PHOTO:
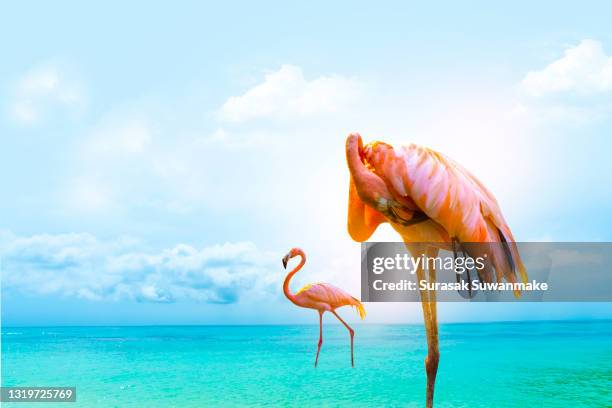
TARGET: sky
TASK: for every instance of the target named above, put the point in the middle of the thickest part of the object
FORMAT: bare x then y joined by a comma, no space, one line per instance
157,161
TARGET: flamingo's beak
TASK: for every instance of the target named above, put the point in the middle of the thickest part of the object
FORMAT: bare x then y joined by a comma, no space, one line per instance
285,260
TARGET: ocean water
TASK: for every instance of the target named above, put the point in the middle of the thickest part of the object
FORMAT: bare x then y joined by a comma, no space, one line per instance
546,364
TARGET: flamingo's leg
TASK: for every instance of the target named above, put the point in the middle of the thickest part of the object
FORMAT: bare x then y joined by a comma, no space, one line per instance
428,302
351,332
320,336
433,304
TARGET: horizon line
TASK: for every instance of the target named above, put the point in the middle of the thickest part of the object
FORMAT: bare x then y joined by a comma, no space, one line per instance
601,320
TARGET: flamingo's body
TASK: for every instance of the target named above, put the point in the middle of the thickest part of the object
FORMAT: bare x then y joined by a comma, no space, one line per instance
321,297
428,198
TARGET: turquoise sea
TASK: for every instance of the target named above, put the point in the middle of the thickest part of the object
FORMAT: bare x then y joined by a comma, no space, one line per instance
527,364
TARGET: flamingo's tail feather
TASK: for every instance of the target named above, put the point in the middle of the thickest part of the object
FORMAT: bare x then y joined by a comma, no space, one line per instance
512,254
359,307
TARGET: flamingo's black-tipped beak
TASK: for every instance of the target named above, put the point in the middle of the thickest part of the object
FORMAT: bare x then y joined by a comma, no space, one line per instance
285,260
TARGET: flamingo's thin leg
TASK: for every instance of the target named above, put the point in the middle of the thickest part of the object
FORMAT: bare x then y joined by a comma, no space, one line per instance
433,304
428,302
351,332
320,336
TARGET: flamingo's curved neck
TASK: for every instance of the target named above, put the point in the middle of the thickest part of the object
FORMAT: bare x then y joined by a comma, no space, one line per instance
288,293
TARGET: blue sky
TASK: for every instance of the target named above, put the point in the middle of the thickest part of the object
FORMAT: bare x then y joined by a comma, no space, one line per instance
158,161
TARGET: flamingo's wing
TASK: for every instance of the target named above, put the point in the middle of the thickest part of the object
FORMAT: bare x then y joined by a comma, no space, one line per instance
451,196
324,293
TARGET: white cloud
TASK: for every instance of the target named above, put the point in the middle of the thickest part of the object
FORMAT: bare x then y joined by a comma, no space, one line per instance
83,266
43,89
286,94
584,69
140,156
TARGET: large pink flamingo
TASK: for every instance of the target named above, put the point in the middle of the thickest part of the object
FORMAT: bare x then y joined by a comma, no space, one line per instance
322,297
428,198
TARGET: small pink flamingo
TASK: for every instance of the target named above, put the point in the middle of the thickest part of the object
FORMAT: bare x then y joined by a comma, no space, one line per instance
322,297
